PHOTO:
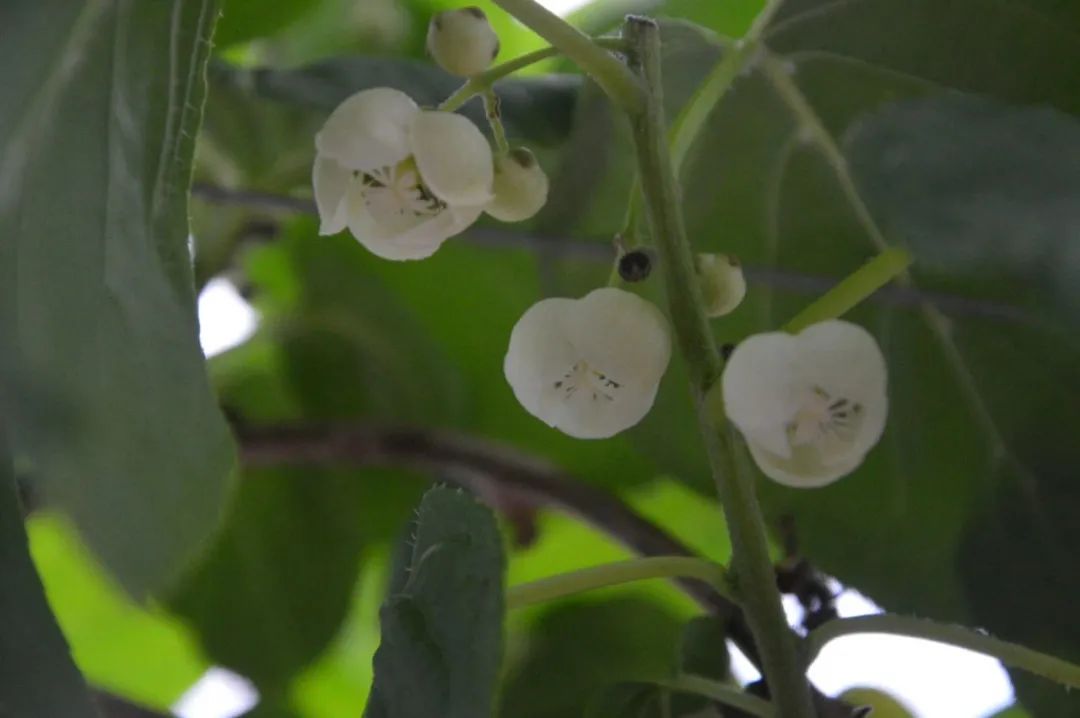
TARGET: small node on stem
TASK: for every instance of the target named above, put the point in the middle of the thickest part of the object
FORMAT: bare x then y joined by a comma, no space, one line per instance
462,41
635,266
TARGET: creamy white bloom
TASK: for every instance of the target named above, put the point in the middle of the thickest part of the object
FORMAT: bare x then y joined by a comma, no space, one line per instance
723,285
589,367
402,179
462,41
520,187
810,405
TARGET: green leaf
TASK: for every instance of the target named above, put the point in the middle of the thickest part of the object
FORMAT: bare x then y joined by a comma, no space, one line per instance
37,675
111,635
243,20
583,647
100,105
977,415
442,630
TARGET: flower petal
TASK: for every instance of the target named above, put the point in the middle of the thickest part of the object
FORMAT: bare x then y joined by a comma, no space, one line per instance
762,390
419,241
804,468
330,181
369,130
453,156
539,355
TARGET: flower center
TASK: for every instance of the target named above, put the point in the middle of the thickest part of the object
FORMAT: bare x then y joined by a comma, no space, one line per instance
396,196
592,384
824,420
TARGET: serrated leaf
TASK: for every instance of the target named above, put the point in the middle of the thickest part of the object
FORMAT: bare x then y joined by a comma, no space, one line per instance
37,675
441,644
100,105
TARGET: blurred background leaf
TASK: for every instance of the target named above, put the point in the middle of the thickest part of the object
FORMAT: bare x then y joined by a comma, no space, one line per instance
111,408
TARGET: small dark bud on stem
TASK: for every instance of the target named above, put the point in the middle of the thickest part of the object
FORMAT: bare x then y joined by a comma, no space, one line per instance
635,266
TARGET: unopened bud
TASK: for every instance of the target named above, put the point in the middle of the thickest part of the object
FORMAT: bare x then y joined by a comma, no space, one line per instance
462,41
520,186
723,285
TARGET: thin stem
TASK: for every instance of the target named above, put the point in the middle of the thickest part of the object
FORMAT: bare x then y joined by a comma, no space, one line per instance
1011,654
486,79
717,691
494,118
780,78
614,574
853,289
612,75
754,579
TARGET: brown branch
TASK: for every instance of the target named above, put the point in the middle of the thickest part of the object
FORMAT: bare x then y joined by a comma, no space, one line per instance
489,470
492,471
601,251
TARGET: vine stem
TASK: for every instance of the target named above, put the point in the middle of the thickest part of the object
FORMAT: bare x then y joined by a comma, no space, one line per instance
485,80
1011,654
614,78
614,574
754,578
853,289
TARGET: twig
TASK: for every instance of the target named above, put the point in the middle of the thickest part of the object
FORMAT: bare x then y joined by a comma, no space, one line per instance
599,250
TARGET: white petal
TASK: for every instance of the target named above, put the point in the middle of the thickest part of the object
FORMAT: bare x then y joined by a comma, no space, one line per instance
845,360
369,130
419,241
520,188
330,181
770,378
453,156
804,469
609,335
539,354
761,388
624,335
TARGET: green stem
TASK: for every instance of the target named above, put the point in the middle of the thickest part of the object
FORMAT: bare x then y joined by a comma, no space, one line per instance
851,290
485,80
612,75
494,118
754,578
701,686
780,78
1011,654
614,574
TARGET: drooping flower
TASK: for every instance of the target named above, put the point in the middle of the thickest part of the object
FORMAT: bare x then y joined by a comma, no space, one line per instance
402,179
589,367
520,186
723,285
810,405
462,41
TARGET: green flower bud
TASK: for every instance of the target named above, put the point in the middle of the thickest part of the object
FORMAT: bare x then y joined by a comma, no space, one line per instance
722,283
520,186
462,42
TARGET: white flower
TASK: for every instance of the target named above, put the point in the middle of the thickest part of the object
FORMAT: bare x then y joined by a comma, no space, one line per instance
462,41
520,187
810,405
403,180
589,367
723,285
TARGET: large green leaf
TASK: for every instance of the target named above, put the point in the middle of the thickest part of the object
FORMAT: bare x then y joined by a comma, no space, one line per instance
99,107
961,440
442,630
37,675
985,195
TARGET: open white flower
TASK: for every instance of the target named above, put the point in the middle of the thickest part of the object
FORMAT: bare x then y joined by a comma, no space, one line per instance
402,179
810,405
589,367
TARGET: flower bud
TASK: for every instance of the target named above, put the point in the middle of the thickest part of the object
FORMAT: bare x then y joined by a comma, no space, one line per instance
722,283
461,41
520,186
